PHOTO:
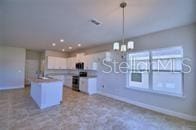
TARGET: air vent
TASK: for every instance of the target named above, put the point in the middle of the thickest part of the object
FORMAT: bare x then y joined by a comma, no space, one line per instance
94,21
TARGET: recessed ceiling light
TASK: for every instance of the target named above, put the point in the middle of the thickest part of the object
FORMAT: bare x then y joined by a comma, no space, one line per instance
63,50
79,45
61,40
70,47
53,44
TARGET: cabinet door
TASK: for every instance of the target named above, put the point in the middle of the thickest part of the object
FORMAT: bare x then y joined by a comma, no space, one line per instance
80,57
57,63
51,62
65,63
89,60
62,63
83,85
85,60
68,81
68,63
92,86
65,81
73,62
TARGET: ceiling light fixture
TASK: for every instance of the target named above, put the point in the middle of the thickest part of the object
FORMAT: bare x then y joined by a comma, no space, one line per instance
53,44
70,48
61,40
123,47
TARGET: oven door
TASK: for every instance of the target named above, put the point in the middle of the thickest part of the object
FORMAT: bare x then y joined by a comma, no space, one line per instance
75,83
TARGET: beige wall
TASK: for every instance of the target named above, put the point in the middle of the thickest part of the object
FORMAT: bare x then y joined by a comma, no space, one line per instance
115,84
33,65
12,67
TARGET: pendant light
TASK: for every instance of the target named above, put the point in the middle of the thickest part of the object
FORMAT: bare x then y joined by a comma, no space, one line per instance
123,47
130,45
116,46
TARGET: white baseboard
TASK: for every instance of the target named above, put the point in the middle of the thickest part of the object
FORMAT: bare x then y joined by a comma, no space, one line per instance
11,87
151,107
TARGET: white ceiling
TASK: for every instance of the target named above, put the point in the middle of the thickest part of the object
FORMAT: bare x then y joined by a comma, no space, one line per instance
35,24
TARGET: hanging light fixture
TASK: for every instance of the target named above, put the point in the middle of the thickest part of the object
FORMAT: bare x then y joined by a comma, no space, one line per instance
123,47
130,45
116,46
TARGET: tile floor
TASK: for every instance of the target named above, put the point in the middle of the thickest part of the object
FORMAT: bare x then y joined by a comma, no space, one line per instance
81,112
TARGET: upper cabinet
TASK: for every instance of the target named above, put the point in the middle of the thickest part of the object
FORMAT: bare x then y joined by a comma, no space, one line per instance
71,62
80,57
51,62
90,61
61,63
57,63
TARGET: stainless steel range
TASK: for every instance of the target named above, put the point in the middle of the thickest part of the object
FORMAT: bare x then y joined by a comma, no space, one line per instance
76,80
75,83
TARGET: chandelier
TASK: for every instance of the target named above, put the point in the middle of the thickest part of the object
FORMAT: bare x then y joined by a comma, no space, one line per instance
123,47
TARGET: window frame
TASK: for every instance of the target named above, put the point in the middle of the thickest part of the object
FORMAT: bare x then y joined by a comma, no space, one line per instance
138,71
150,73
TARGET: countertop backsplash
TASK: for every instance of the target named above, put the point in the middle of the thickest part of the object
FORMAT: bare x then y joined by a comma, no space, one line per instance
90,73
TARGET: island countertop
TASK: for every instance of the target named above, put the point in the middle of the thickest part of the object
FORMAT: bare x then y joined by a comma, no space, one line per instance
44,80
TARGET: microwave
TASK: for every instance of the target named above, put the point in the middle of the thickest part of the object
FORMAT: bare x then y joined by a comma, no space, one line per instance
79,65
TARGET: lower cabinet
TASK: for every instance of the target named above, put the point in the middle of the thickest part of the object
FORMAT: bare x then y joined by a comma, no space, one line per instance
88,85
68,81
47,94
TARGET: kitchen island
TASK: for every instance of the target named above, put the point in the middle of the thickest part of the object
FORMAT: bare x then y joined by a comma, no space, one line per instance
46,92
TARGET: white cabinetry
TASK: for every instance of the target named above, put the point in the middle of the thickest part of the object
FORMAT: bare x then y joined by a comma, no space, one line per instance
90,61
47,94
58,77
61,63
56,63
51,62
68,81
71,62
88,85
80,57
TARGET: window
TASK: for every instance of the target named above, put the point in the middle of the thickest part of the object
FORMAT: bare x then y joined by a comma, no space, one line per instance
136,77
157,70
139,70
167,70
